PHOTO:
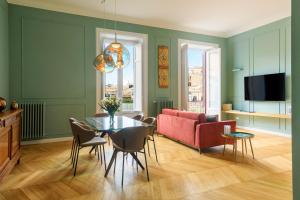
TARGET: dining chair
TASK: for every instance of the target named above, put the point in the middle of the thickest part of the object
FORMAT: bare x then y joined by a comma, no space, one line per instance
129,141
151,121
102,114
71,120
85,137
138,117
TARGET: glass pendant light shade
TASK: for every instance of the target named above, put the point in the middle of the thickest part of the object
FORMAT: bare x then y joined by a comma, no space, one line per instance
118,53
101,65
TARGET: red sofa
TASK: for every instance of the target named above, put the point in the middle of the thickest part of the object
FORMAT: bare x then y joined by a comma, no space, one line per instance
192,128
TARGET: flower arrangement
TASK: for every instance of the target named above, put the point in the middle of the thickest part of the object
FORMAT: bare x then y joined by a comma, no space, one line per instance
111,105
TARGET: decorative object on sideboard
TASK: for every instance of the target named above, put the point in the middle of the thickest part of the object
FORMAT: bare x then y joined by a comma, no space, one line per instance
163,66
2,104
227,106
14,105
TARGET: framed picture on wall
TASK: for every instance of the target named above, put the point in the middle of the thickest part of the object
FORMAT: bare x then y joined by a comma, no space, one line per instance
163,66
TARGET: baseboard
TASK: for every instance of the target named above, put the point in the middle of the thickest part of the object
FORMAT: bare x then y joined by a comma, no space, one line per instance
265,131
48,140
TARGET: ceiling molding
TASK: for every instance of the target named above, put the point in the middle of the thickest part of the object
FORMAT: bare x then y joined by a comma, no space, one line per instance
47,5
88,13
255,25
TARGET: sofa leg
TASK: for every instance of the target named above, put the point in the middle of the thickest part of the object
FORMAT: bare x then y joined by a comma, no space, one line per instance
200,151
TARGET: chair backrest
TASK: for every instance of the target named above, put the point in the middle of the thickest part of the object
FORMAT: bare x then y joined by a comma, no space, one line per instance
151,121
138,117
71,120
130,139
101,114
82,133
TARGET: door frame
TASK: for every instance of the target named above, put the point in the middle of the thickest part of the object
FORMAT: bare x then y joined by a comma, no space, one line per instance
181,42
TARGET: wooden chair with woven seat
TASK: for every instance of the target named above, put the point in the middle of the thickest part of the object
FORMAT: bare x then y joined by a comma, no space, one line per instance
150,137
129,141
86,137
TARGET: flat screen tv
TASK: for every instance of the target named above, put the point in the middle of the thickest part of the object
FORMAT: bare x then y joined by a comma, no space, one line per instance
270,87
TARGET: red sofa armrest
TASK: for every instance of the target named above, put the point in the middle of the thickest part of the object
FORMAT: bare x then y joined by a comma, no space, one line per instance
210,134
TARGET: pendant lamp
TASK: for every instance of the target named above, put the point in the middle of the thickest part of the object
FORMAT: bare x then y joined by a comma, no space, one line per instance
117,51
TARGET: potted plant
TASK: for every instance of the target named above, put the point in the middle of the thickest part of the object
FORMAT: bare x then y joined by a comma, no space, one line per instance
111,105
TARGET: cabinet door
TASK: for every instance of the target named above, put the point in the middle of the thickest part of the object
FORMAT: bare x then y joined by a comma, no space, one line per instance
15,145
4,147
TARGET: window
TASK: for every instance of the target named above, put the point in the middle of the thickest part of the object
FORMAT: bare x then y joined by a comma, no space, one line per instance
125,83
199,77
196,84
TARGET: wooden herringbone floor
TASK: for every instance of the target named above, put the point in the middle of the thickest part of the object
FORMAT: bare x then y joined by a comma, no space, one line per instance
182,173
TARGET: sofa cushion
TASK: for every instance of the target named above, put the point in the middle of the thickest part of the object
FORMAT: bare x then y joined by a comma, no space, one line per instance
200,117
168,111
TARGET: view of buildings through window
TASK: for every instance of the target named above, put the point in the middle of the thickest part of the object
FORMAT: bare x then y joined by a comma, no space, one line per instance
196,84
121,83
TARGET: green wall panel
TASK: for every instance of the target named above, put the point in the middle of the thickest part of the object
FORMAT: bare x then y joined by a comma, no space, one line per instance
52,54
260,51
55,72
296,96
4,51
56,115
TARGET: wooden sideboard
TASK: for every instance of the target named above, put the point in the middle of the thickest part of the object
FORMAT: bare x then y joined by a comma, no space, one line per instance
10,137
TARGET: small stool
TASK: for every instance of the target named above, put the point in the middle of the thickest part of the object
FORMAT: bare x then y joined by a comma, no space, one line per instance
235,136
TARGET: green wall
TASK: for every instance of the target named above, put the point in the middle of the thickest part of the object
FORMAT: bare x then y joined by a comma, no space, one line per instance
296,96
4,60
263,50
51,61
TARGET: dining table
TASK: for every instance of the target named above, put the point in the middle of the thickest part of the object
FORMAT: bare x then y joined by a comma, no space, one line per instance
108,125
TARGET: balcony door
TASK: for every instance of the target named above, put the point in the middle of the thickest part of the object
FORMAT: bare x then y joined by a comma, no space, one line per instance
199,77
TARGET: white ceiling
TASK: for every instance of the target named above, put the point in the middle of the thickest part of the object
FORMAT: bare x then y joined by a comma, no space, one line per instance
213,17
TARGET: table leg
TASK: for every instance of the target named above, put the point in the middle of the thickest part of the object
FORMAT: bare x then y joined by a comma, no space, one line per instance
251,147
224,147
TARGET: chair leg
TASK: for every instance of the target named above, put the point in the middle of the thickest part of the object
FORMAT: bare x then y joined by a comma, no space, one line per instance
72,150
75,154
155,149
147,141
111,162
76,161
115,165
97,150
92,149
137,166
146,164
100,153
104,157
123,168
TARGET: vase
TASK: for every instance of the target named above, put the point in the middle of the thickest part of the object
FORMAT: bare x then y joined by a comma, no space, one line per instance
111,117
2,104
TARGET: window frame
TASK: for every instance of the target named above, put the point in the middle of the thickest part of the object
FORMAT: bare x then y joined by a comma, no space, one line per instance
101,35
